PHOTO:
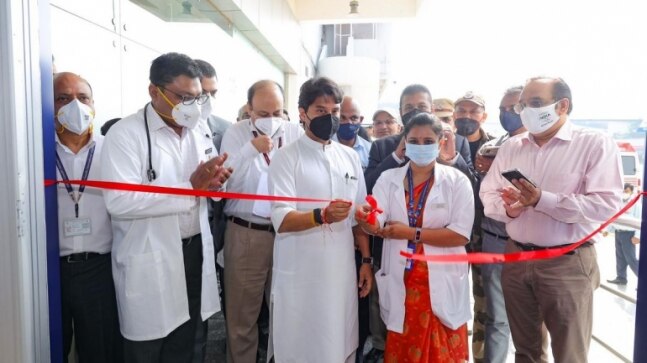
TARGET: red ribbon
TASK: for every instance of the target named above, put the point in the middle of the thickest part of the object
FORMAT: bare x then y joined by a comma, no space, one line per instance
180,191
482,257
474,257
371,218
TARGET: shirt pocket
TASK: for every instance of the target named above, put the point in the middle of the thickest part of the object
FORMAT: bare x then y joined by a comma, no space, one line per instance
565,183
144,274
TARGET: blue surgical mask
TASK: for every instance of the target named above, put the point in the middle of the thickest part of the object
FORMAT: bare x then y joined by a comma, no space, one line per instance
348,131
422,155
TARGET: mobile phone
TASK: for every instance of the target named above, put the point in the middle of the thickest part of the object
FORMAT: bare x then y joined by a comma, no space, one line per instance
515,173
489,150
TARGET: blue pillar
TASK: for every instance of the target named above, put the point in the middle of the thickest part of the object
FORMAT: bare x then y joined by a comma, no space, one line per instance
51,209
640,349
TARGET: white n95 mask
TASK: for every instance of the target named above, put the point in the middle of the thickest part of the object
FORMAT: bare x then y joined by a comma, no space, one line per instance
187,115
206,109
268,125
540,119
75,116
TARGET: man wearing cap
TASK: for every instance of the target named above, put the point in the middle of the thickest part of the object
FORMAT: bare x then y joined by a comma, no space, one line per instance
350,124
444,110
469,115
386,122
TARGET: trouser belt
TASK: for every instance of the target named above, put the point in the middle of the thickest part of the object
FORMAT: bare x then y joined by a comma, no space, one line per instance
499,236
252,225
79,257
531,247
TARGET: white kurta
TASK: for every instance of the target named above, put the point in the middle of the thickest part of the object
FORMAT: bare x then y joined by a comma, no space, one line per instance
147,262
314,284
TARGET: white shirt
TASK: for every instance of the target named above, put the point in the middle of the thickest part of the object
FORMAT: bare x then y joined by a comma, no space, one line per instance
91,204
580,177
249,165
450,205
184,149
314,281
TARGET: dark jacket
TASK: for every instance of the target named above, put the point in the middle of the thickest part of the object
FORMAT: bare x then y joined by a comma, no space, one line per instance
380,159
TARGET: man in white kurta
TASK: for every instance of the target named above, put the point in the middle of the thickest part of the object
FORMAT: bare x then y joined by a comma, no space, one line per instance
314,286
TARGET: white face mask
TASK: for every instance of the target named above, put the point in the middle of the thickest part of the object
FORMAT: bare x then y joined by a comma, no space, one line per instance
268,125
206,109
540,119
187,115
75,116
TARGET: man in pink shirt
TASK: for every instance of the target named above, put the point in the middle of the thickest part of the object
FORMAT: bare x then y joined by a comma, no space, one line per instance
578,186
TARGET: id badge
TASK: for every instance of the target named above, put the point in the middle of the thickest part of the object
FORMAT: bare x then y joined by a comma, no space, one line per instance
77,227
409,264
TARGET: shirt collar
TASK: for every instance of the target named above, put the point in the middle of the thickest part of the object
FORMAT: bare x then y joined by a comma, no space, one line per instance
360,142
439,174
67,149
564,133
155,121
310,143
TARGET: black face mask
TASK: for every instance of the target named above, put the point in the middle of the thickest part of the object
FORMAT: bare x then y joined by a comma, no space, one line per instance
324,126
409,115
466,126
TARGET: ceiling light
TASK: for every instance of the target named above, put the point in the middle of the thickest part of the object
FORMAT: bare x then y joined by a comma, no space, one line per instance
354,4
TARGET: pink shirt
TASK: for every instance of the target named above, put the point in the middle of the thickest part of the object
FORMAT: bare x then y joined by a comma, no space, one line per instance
579,174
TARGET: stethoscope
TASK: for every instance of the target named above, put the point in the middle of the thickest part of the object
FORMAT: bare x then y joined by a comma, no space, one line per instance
152,175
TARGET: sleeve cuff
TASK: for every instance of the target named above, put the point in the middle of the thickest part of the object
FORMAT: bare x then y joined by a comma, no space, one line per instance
451,161
397,159
547,202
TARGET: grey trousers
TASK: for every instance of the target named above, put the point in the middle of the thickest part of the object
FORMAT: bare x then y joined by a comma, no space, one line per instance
248,275
557,292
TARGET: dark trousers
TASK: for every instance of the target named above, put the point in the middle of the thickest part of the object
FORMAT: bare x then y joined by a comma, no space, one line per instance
89,308
625,254
363,311
178,346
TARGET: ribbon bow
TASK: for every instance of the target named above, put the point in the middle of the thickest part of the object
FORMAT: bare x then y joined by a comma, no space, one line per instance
371,218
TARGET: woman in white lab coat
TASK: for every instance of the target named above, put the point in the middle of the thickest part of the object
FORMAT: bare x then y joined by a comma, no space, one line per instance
425,305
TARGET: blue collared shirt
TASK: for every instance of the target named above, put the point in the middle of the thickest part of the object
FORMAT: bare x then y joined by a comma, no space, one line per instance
362,147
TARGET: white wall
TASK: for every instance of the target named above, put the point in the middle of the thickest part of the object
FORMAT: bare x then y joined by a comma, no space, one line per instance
115,58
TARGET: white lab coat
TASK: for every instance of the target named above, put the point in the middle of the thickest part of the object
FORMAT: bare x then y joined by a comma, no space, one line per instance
314,286
147,259
450,204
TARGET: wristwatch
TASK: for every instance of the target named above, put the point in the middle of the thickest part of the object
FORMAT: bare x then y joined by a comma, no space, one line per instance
368,260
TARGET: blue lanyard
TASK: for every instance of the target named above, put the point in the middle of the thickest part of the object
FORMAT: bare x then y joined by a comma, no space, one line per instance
414,211
86,172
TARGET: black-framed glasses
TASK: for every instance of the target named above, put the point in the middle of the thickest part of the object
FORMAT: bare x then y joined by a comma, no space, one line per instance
210,93
533,103
188,100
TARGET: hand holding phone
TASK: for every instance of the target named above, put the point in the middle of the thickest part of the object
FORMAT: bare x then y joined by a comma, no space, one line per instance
515,173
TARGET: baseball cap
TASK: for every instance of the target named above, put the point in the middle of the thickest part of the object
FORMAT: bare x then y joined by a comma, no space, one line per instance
391,112
443,107
470,96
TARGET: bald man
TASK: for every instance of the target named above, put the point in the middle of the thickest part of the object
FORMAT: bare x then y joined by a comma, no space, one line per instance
89,305
350,124
249,237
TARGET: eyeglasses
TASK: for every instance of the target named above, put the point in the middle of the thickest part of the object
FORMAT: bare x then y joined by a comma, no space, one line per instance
388,122
210,93
188,100
534,103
